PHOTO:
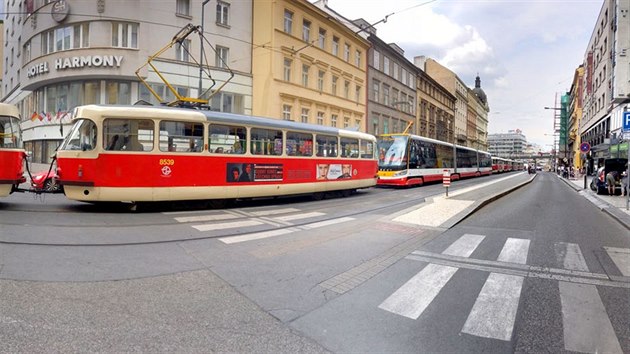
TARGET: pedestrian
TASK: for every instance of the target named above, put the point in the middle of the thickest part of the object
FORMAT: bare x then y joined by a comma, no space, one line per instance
611,177
624,183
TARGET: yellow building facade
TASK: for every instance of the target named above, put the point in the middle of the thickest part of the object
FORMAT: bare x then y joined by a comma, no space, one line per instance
307,66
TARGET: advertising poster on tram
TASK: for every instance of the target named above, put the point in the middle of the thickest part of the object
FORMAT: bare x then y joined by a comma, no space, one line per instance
249,172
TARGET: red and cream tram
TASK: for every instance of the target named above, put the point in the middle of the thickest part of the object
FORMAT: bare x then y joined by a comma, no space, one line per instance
11,152
146,153
406,160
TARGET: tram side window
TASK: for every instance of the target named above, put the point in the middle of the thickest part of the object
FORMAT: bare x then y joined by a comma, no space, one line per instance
227,139
299,144
326,146
367,149
10,133
266,141
82,136
444,156
427,157
128,134
181,136
349,147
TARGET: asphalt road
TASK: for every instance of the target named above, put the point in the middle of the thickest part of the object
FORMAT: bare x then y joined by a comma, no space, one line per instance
301,276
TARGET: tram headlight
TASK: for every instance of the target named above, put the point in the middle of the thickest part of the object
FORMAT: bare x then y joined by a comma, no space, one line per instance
400,173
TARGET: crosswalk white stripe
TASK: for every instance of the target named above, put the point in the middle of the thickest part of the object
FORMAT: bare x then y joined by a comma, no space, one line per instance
227,225
299,216
570,256
326,223
494,311
514,251
464,246
586,325
200,218
411,299
256,236
274,211
621,258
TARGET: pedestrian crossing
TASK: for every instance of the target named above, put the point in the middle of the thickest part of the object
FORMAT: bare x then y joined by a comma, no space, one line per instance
586,325
283,220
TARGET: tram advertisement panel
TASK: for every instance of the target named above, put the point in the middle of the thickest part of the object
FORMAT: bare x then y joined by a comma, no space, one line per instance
334,171
249,172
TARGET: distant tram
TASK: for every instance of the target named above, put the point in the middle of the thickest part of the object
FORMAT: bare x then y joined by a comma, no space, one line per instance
147,153
12,154
406,160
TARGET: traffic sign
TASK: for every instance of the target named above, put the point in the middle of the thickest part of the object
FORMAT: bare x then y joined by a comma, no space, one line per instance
626,122
585,147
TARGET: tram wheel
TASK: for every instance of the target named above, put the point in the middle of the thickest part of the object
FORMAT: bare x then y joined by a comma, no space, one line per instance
347,192
318,196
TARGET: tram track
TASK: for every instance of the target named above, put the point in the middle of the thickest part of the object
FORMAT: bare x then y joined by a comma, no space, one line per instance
356,205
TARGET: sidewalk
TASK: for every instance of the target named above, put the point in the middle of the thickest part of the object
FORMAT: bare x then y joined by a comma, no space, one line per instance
614,206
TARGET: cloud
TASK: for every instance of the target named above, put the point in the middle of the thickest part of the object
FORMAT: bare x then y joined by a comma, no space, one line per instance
525,51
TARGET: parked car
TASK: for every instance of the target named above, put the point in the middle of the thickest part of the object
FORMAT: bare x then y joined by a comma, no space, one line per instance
45,181
598,183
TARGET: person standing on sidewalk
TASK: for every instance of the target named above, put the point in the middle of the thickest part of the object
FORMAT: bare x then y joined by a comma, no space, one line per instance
611,177
624,183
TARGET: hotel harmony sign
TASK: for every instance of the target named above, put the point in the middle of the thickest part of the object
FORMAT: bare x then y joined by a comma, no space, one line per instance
104,61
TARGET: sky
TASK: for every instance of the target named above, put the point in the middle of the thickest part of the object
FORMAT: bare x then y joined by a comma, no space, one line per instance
524,51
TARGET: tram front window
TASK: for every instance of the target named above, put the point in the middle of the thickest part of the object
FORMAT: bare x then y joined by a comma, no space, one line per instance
392,152
82,136
10,134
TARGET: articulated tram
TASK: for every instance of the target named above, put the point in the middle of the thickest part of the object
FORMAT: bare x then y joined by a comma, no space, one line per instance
12,154
406,160
147,153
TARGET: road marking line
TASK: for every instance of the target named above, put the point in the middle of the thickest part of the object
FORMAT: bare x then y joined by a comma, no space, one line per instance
274,211
586,325
621,258
523,270
494,312
514,251
570,256
200,218
411,299
326,223
299,216
464,246
227,225
256,236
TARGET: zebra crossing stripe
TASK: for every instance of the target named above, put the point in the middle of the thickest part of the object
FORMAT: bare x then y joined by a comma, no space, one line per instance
464,246
586,325
414,297
570,256
514,251
299,216
201,218
274,211
494,312
227,225
621,258
411,299
256,236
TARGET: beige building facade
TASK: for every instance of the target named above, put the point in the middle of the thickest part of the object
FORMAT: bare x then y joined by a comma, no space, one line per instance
307,65
61,54
436,109
456,87
575,116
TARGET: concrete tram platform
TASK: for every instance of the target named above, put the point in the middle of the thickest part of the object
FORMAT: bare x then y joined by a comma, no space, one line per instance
615,206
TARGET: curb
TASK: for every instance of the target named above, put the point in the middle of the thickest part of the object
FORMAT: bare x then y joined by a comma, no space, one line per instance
608,208
481,203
